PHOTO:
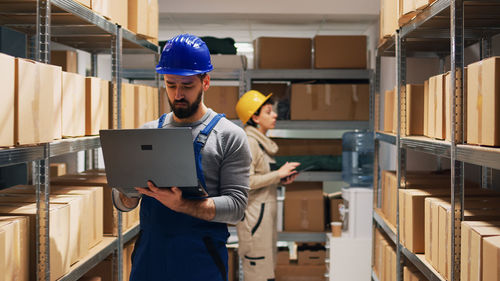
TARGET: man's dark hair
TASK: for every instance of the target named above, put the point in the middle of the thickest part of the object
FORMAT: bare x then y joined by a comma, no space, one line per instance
257,112
202,76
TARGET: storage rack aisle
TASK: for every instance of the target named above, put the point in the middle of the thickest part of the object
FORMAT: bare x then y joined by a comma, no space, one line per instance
71,24
443,28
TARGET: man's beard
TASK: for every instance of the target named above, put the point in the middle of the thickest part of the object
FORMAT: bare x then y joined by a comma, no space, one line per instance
185,112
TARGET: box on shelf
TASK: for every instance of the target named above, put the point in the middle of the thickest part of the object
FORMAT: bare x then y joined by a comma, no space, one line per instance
426,108
59,235
304,207
73,105
137,21
389,111
128,106
473,233
118,12
280,91
412,274
67,60
153,20
7,80
291,147
95,105
297,272
340,52
329,102
306,257
491,253
51,81
483,95
221,61
164,105
14,248
141,102
282,53
414,110
57,169
223,99
437,127
388,18
106,95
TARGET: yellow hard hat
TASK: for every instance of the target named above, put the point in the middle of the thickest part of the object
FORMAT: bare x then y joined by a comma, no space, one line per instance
249,103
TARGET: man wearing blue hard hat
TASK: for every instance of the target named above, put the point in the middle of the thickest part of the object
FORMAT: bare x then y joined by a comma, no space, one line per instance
185,239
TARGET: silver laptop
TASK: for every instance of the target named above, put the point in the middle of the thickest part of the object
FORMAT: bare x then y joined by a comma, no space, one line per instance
163,156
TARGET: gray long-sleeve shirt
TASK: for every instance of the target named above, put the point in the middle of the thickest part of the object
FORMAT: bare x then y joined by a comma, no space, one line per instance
226,164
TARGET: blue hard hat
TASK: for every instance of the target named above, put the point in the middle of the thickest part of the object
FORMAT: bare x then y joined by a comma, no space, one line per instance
184,55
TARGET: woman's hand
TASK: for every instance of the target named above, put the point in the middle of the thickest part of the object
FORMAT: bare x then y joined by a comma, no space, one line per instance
289,179
288,169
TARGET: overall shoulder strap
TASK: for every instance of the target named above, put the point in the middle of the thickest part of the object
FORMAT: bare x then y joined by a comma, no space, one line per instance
161,120
199,143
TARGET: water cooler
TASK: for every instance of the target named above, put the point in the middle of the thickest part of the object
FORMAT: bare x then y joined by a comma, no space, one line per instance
350,254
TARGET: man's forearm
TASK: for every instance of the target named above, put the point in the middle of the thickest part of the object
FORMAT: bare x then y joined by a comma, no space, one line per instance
203,209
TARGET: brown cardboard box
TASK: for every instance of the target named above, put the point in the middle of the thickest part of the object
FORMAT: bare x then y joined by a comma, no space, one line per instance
306,257
283,256
412,274
304,207
340,52
431,224
388,17
103,271
57,169
92,204
33,102
155,109
128,106
389,111
153,19
329,102
68,60
491,254
291,147
106,86
14,248
78,229
164,105
102,7
138,16
59,235
473,233
426,108
282,53
118,12
437,106
294,272
94,106
223,99
279,90
73,101
483,111
141,101
414,110
7,76
51,82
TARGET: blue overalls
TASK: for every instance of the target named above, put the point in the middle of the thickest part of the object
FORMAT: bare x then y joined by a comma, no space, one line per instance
177,247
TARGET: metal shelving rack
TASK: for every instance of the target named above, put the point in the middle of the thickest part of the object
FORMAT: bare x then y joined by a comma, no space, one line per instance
444,28
71,24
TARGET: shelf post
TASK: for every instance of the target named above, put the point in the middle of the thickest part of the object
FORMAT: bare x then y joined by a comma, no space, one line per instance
41,182
116,63
42,53
457,167
401,152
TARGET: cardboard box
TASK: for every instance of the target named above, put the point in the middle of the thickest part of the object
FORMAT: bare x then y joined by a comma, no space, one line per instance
137,16
128,106
292,147
306,257
473,233
282,53
412,274
221,61
59,235
73,101
283,256
388,17
141,101
426,108
164,105
102,7
304,207
78,222
94,106
280,91
389,111
414,110
57,169
483,109
340,52
103,271
293,272
223,99
153,20
118,12
7,76
51,82
329,102
14,248
437,106
68,60
155,104
106,87
491,253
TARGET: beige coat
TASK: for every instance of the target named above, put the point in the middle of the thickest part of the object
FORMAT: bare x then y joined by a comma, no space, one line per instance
257,233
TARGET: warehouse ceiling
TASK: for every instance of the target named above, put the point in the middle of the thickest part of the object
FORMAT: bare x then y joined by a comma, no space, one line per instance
247,20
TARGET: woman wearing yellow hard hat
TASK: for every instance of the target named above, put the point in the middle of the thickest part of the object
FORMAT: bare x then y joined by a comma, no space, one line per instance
257,233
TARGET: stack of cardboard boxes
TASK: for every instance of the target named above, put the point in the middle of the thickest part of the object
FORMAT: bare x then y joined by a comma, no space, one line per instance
306,263
384,257
414,111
